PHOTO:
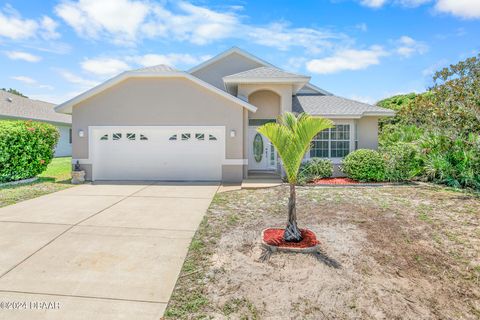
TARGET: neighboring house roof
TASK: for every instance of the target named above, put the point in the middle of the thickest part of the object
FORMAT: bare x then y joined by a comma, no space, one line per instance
17,107
250,56
265,75
160,71
335,107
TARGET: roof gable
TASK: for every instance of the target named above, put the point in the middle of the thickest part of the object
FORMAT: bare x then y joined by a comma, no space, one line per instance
255,61
159,72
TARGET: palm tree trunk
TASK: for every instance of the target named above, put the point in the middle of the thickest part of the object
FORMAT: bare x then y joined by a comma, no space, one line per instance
292,233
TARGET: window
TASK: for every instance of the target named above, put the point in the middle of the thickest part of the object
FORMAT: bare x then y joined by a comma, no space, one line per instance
172,138
340,141
212,137
70,135
131,136
142,137
332,143
185,136
200,136
104,137
117,136
320,145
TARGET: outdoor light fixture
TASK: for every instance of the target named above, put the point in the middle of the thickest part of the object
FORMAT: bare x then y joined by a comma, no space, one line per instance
232,133
80,133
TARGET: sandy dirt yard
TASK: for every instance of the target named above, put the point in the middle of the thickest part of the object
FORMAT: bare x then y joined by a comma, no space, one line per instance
406,252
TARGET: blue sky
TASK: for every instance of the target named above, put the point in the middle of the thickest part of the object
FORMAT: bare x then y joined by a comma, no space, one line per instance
360,49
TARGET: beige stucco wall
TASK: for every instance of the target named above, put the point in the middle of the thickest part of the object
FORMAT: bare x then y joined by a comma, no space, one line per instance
268,104
231,64
157,102
367,131
283,90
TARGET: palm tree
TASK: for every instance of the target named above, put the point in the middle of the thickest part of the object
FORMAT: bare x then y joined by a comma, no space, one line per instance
291,136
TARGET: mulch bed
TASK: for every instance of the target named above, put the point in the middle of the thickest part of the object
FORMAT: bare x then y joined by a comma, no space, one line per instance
274,237
335,181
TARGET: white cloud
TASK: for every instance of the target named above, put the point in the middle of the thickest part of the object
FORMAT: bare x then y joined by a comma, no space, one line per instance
171,59
20,55
14,27
467,9
104,66
135,20
348,59
373,3
407,46
25,79
92,18
32,82
78,80
49,28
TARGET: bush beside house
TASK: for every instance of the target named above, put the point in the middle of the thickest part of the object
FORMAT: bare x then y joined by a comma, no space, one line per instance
364,165
315,168
26,149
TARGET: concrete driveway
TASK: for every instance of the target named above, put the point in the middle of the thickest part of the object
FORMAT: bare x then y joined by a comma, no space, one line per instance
102,251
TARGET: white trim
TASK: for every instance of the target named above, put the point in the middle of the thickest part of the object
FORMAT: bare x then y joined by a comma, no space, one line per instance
254,80
235,162
356,116
251,57
66,107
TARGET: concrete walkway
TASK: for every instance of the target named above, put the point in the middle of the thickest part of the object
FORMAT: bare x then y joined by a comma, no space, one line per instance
103,251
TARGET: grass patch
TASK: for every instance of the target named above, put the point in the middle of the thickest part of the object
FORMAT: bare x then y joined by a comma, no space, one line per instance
55,178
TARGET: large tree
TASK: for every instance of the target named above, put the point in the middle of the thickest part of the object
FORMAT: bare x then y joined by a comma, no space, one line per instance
292,136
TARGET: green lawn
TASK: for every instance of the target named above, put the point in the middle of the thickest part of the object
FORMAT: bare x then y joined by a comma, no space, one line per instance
55,178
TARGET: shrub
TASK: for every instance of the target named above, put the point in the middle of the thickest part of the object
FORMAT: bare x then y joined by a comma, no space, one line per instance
364,165
402,162
315,168
26,148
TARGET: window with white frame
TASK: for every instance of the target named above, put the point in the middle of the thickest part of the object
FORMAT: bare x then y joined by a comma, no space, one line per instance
332,143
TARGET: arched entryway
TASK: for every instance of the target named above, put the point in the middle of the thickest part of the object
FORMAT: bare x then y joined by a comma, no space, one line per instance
262,154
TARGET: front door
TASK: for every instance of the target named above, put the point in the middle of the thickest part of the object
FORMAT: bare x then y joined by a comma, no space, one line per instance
261,153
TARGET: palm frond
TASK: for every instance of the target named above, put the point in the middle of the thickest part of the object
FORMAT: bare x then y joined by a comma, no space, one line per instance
291,137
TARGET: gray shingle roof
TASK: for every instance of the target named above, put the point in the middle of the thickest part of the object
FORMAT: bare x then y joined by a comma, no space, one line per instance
157,68
325,105
13,106
264,72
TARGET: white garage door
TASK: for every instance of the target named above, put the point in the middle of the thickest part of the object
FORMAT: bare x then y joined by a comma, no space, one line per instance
157,153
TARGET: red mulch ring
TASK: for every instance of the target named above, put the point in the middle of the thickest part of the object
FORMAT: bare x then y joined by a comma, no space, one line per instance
335,181
274,237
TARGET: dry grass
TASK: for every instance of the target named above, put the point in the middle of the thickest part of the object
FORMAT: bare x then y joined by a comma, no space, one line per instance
409,252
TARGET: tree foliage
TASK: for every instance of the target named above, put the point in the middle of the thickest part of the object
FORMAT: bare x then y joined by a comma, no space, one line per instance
443,123
13,91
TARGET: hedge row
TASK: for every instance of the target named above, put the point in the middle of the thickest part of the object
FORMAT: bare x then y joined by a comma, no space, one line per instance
26,148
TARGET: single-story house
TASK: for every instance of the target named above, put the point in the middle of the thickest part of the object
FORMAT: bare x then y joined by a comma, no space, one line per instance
158,123
15,107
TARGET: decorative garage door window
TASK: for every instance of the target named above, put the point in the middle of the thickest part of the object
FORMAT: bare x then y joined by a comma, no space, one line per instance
187,136
258,147
130,136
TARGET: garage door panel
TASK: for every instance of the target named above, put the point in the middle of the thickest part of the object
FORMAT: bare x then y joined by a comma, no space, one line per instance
158,156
